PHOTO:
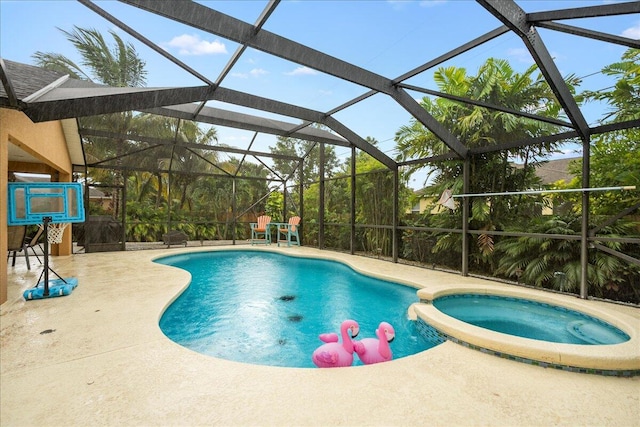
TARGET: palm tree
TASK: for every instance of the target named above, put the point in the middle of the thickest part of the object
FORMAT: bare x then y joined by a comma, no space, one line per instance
615,156
118,66
555,263
186,160
624,97
302,148
496,83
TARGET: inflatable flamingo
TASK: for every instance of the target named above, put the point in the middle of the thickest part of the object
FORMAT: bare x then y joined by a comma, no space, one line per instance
333,354
328,337
376,350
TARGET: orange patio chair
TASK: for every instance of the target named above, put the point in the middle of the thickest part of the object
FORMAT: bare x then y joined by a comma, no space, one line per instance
260,232
290,230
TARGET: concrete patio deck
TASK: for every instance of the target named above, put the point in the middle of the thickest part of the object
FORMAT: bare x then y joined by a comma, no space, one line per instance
98,357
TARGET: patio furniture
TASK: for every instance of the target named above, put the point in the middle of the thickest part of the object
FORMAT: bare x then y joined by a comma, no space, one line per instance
289,230
33,241
175,237
261,229
15,243
101,233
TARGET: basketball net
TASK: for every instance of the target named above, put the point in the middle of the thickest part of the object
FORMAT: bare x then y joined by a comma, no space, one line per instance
55,232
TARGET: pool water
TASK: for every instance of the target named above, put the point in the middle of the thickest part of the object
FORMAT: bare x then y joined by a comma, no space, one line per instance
268,309
530,319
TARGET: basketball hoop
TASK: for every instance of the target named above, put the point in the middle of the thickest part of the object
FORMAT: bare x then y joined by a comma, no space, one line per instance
52,206
55,232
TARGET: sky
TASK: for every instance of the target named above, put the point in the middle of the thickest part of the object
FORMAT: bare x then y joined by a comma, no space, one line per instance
387,37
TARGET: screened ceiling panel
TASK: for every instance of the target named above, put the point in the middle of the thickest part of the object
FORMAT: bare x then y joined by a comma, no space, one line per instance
262,69
383,42
367,116
202,57
256,71
500,45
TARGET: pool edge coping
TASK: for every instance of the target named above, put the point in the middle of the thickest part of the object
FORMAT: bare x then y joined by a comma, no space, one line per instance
623,358
613,357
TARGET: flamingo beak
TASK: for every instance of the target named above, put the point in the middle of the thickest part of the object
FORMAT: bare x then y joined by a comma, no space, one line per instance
389,335
354,331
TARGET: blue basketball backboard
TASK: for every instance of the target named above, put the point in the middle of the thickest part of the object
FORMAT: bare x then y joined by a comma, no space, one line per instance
31,202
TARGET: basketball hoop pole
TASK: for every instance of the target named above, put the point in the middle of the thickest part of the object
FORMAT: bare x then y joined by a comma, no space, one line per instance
45,222
45,271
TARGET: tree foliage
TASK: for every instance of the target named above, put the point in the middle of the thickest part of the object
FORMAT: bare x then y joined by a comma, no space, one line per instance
495,83
624,97
310,152
165,192
118,65
173,185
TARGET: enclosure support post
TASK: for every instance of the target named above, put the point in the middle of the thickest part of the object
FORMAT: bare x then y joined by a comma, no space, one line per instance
321,199
394,232
169,200
233,210
86,208
123,220
284,200
466,172
584,232
301,201
352,219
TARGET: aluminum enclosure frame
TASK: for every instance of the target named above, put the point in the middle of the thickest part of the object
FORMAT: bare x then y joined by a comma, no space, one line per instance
68,98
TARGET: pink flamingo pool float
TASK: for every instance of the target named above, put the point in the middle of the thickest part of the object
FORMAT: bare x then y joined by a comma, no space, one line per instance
333,354
376,350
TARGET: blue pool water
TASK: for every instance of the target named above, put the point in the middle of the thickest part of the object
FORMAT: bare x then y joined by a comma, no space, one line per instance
529,319
268,309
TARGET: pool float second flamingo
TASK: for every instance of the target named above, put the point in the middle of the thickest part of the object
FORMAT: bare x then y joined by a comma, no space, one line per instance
333,354
376,350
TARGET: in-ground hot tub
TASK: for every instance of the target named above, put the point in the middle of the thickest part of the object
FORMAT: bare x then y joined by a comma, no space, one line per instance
530,319
593,339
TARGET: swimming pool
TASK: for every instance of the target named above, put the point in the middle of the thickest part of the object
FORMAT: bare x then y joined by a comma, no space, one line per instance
268,308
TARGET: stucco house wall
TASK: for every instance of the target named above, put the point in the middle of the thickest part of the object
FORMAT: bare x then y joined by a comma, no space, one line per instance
47,143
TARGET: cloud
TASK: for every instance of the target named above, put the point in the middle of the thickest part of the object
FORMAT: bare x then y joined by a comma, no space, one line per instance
257,72
193,45
520,54
398,4
302,71
431,3
633,32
